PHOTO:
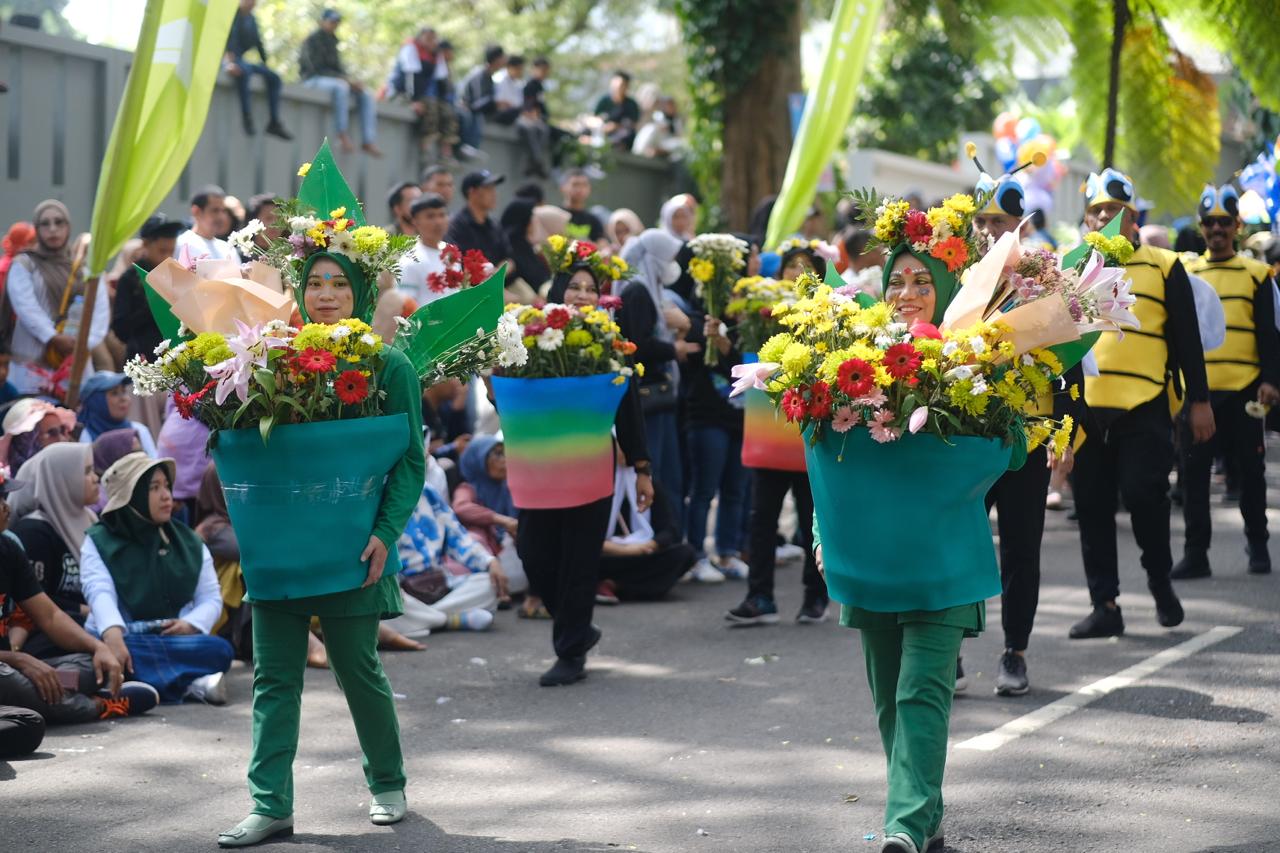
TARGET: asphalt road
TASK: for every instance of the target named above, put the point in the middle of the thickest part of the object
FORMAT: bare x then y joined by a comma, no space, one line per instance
678,742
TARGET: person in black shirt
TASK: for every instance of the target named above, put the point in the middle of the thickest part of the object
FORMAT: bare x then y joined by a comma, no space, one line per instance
477,102
473,227
575,188
244,37
131,318
620,112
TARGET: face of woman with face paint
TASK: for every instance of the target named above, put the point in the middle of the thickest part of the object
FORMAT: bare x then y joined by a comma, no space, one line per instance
329,297
911,290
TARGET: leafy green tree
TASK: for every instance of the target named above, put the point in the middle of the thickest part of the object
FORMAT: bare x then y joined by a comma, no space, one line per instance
921,91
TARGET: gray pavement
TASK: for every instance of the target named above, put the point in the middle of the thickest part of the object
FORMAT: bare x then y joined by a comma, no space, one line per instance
677,743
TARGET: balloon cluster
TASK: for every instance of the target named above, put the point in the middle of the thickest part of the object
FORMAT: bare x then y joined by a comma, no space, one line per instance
1261,177
1018,141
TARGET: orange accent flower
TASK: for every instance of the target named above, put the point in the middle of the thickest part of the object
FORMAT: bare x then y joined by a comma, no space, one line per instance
952,252
351,387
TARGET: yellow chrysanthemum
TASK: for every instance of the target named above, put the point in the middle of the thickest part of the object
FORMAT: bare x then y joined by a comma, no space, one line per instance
578,338
1037,433
702,270
774,347
556,242
890,220
1074,391
369,239
303,169
1062,436
619,265
210,347
960,203
795,358
319,236
338,213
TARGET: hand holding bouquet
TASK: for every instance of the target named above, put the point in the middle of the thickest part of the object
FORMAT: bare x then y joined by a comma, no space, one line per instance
718,260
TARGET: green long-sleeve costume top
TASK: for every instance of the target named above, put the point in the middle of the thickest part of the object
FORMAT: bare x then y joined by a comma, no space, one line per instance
399,496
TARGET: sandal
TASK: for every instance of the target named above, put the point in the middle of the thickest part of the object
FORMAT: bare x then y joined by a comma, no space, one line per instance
540,612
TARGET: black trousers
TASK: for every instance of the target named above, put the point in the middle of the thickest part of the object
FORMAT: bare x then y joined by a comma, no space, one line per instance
21,731
561,550
648,577
1019,498
1239,439
769,489
1131,454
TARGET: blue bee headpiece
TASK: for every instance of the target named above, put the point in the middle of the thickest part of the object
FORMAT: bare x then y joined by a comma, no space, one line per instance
1110,185
1005,195
1219,201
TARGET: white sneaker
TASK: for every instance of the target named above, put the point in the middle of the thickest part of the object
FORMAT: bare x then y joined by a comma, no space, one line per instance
211,689
704,572
733,568
789,553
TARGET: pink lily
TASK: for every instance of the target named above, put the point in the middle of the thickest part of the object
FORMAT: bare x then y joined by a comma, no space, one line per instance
755,375
1110,291
251,347
918,419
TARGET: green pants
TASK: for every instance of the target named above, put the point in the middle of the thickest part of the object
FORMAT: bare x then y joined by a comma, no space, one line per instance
912,670
280,660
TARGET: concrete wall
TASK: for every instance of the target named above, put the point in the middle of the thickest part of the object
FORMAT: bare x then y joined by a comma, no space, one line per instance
56,120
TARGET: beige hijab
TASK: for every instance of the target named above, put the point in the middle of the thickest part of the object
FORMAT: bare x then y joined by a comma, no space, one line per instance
57,474
52,266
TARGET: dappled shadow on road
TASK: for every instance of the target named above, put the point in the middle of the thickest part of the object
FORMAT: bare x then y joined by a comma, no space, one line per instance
1176,704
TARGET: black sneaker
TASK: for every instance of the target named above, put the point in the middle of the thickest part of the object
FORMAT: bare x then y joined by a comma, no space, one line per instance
1011,675
962,683
1192,565
1102,622
1168,607
278,130
1259,558
566,671
755,610
813,612
247,121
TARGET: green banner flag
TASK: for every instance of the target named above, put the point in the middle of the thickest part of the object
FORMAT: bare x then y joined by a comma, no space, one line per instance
161,116
826,112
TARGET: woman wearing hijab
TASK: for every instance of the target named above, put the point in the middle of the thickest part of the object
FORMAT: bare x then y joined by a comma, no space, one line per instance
483,504
623,224
152,592
105,399
678,217
644,321
44,283
331,288
30,426
530,266
53,515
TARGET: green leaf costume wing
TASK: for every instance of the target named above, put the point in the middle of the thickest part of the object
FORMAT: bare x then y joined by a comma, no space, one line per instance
445,324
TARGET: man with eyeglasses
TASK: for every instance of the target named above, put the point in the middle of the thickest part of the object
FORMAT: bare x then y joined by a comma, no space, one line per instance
1244,377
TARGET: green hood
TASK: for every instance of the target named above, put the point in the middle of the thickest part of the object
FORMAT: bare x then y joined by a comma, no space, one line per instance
944,282
364,292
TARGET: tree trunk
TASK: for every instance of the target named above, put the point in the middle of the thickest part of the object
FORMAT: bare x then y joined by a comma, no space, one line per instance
1119,25
757,125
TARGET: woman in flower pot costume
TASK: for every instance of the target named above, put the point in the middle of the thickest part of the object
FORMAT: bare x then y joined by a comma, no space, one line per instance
331,287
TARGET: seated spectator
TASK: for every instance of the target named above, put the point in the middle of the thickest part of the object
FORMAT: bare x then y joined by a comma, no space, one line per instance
660,133
623,224
575,189
483,503
184,440
321,67
16,240
679,217
473,227
244,37
399,201
52,517
81,683
448,577
445,443
528,265
30,426
477,101
421,74
619,111
8,393
107,448
438,180
105,402
429,216
152,590
42,298
508,90
644,556
208,219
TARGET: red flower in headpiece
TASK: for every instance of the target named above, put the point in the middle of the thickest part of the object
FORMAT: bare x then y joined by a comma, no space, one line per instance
585,249
917,227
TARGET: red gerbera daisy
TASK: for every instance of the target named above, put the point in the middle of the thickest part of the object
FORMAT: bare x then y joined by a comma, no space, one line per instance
820,400
535,328
901,360
917,228
610,303
437,283
351,386
474,262
855,378
315,361
453,277
952,252
450,254
793,405
585,249
558,318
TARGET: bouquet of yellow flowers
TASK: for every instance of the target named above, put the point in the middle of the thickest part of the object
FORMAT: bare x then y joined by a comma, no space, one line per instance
718,260
563,253
754,300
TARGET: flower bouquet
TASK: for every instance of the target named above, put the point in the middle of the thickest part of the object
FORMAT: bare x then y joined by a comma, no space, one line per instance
461,270
562,253
718,260
557,397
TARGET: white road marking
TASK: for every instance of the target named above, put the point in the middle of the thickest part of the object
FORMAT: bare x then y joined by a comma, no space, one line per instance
1054,711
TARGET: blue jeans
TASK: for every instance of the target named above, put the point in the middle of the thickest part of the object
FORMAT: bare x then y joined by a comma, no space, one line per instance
662,435
715,458
471,127
271,78
170,664
340,93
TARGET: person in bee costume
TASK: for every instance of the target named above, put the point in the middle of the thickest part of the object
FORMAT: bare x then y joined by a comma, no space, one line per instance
1128,446
1019,496
1244,379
